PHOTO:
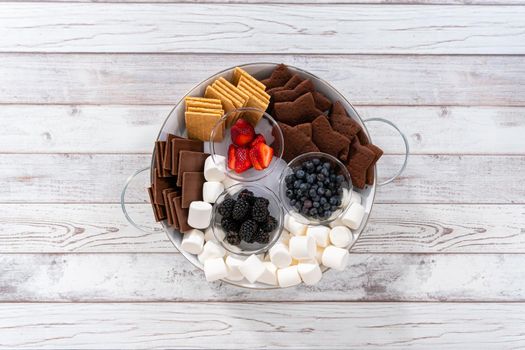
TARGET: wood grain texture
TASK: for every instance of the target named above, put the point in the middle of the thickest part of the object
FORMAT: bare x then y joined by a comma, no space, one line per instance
388,2
263,325
402,228
88,178
223,28
165,78
169,277
91,129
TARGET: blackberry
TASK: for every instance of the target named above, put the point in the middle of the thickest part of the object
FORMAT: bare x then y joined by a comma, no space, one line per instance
240,209
262,237
247,195
260,210
270,224
233,239
229,225
248,231
226,207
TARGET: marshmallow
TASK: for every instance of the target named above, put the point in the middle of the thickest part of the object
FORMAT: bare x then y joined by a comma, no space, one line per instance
233,264
336,222
341,236
199,215
336,258
346,198
229,182
319,255
280,256
211,190
294,227
319,234
208,234
302,247
269,275
285,237
310,273
288,276
356,197
211,250
215,168
215,269
353,216
192,241
252,268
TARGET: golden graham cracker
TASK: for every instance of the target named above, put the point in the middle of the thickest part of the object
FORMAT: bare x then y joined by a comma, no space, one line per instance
231,89
205,110
248,89
199,125
254,116
238,73
232,117
201,102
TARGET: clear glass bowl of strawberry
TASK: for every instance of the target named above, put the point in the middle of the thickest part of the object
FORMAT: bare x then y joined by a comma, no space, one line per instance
252,149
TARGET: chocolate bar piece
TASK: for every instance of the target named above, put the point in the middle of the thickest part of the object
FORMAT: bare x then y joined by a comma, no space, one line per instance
192,183
167,159
182,215
165,194
159,185
190,162
182,144
158,210
160,147
171,208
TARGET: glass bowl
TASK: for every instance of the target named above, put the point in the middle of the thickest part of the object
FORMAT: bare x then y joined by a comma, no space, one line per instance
294,209
248,248
266,126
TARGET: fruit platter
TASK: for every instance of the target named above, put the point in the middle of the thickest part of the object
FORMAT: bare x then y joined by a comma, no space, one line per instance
264,176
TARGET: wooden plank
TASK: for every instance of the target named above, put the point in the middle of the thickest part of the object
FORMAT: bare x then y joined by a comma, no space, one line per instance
88,178
263,325
405,2
169,277
93,129
165,78
223,28
402,228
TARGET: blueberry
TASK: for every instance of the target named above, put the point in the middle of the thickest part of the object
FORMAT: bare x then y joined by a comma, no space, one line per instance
327,213
289,178
319,168
320,177
339,179
289,193
328,193
307,204
297,183
309,166
299,192
340,190
323,201
325,172
320,191
316,161
320,184
332,177
316,204
334,207
303,198
292,202
326,206
312,192
303,186
304,210
333,200
313,211
297,206
316,198
310,178
327,165
299,174
289,185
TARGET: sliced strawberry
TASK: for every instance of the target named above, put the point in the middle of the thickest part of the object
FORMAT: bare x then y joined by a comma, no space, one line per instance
258,139
253,158
231,157
263,154
242,160
242,132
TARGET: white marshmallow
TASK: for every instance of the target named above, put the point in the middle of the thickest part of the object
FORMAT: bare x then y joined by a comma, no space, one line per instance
215,269
233,264
310,273
279,255
215,168
211,250
356,197
211,190
288,276
353,216
319,255
335,258
294,227
192,241
199,215
319,234
285,237
270,274
341,236
346,198
336,222
208,234
252,268
302,247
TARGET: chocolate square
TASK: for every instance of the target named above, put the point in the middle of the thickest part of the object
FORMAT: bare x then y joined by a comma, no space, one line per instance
182,144
171,208
182,215
158,210
159,185
166,160
192,183
190,162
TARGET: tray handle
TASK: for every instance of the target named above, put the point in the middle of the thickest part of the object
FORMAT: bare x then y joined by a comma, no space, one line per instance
123,201
405,141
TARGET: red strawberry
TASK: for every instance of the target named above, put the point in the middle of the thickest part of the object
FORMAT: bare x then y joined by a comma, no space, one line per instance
261,154
231,157
242,160
258,139
242,132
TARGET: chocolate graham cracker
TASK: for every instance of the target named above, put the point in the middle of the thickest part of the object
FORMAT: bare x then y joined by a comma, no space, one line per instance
342,123
297,140
302,110
292,94
328,140
190,162
192,183
178,145
279,77
360,159
378,152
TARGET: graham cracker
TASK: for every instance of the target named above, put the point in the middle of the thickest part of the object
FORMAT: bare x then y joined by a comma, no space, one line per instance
250,90
199,125
239,73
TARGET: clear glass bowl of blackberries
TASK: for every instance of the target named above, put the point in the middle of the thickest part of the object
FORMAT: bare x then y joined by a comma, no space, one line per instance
247,219
313,186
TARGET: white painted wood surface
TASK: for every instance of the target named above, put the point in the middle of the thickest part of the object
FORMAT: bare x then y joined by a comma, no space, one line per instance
85,87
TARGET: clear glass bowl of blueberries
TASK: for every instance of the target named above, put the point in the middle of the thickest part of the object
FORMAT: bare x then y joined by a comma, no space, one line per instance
314,188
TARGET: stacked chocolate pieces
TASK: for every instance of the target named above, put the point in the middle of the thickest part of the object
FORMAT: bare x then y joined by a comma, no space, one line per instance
311,123
178,177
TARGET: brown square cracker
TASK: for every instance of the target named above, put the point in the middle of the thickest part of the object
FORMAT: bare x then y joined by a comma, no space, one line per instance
182,215
280,75
296,141
378,152
359,160
321,101
342,123
290,84
302,110
292,94
183,145
190,161
192,183
327,139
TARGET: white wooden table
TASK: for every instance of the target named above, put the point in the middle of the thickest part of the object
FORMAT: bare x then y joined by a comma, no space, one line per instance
84,88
